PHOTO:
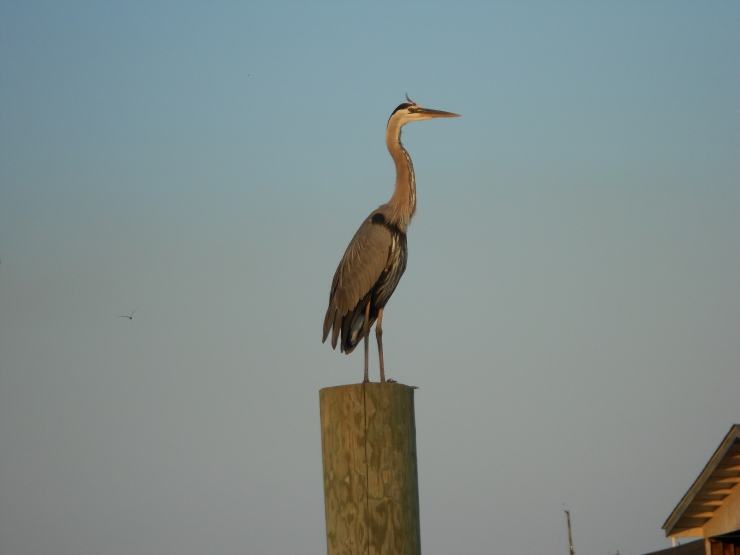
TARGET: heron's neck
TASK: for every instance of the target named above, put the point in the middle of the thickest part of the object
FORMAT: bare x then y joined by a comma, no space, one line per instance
403,201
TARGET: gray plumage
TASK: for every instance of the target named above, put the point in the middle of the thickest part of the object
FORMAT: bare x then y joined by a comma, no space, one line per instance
369,272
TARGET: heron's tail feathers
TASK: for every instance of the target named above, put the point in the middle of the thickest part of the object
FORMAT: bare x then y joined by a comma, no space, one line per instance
353,325
350,326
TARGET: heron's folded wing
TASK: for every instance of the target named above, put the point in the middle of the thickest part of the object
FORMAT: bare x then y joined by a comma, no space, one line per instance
363,262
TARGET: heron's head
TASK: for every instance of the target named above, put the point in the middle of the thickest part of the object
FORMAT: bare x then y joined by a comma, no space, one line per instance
411,111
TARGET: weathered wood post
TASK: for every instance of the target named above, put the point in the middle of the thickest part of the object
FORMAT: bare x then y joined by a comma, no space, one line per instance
371,490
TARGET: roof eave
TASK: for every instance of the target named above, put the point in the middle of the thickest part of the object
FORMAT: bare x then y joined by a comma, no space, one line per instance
677,513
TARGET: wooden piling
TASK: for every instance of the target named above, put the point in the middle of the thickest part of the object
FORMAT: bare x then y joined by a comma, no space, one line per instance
371,490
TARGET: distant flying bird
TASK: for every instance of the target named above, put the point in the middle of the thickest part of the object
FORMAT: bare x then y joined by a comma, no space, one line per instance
129,317
376,257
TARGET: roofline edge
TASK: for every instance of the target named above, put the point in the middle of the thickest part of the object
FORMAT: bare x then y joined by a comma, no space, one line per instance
689,496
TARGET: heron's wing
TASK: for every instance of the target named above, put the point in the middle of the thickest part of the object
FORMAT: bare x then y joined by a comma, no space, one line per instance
364,260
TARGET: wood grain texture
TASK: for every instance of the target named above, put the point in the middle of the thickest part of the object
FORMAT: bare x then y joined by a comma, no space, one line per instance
371,492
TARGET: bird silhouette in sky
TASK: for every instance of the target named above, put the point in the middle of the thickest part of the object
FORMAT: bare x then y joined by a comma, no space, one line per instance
129,317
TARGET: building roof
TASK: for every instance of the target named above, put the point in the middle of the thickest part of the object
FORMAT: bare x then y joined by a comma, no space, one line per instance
692,548
706,495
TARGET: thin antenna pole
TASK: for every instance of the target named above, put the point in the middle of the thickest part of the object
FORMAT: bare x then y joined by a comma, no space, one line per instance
570,534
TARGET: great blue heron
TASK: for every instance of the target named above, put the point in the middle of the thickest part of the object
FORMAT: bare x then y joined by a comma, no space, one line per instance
375,259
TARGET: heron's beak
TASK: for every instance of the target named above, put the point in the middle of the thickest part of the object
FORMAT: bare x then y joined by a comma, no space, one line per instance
429,113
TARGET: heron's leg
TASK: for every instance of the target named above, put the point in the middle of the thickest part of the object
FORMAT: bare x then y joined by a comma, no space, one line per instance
379,335
365,334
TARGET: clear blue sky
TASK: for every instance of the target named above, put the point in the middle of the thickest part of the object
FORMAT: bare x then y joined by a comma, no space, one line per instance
571,308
